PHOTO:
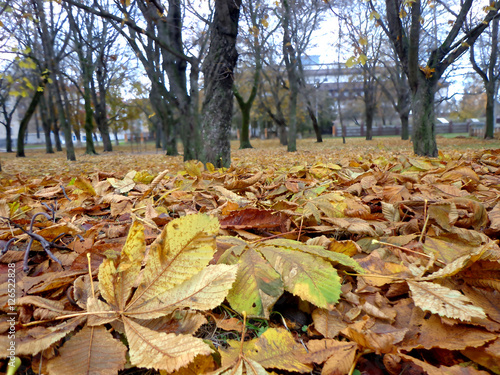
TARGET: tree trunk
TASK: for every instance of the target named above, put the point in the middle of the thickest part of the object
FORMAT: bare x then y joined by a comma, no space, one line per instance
424,138
369,124
283,134
89,142
291,68
245,126
46,125
8,136
53,118
489,132
70,150
163,118
52,63
405,128
218,69
312,116
23,126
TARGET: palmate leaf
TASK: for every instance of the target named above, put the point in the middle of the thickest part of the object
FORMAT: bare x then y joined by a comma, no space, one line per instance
34,340
258,285
311,278
331,256
305,270
183,249
205,290
275,348
118,276
444,301
159,350
175,276
91,351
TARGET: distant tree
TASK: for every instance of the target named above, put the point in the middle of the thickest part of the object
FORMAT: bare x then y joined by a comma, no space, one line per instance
404,23
255,14
472,103
488,67
9,101
82,29
48,33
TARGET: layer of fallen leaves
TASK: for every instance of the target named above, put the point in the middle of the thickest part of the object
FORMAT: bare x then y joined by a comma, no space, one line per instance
356,260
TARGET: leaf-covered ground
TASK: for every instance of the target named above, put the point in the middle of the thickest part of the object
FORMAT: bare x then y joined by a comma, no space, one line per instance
339,259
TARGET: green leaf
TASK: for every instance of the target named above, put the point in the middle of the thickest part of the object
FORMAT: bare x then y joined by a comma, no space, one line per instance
309,277
257,287
331,256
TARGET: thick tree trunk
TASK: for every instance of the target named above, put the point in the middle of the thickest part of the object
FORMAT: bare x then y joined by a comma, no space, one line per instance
489,132
291,68
424,137
218,69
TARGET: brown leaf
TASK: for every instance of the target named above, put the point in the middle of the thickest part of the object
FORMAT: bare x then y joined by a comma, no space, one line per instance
90,351
252,218
328,323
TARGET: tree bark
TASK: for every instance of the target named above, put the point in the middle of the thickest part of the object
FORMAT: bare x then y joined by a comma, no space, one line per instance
218,70
314,120
405,128
424,137
8,137
290,57
245,122
489,132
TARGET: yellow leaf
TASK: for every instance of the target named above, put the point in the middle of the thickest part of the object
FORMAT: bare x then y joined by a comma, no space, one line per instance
117,277
375,15
194,168
275,348
85,185
362,59
363,41
427,71
351,61
204,291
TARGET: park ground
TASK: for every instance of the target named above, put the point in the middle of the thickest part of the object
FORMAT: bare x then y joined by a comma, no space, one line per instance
266,153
